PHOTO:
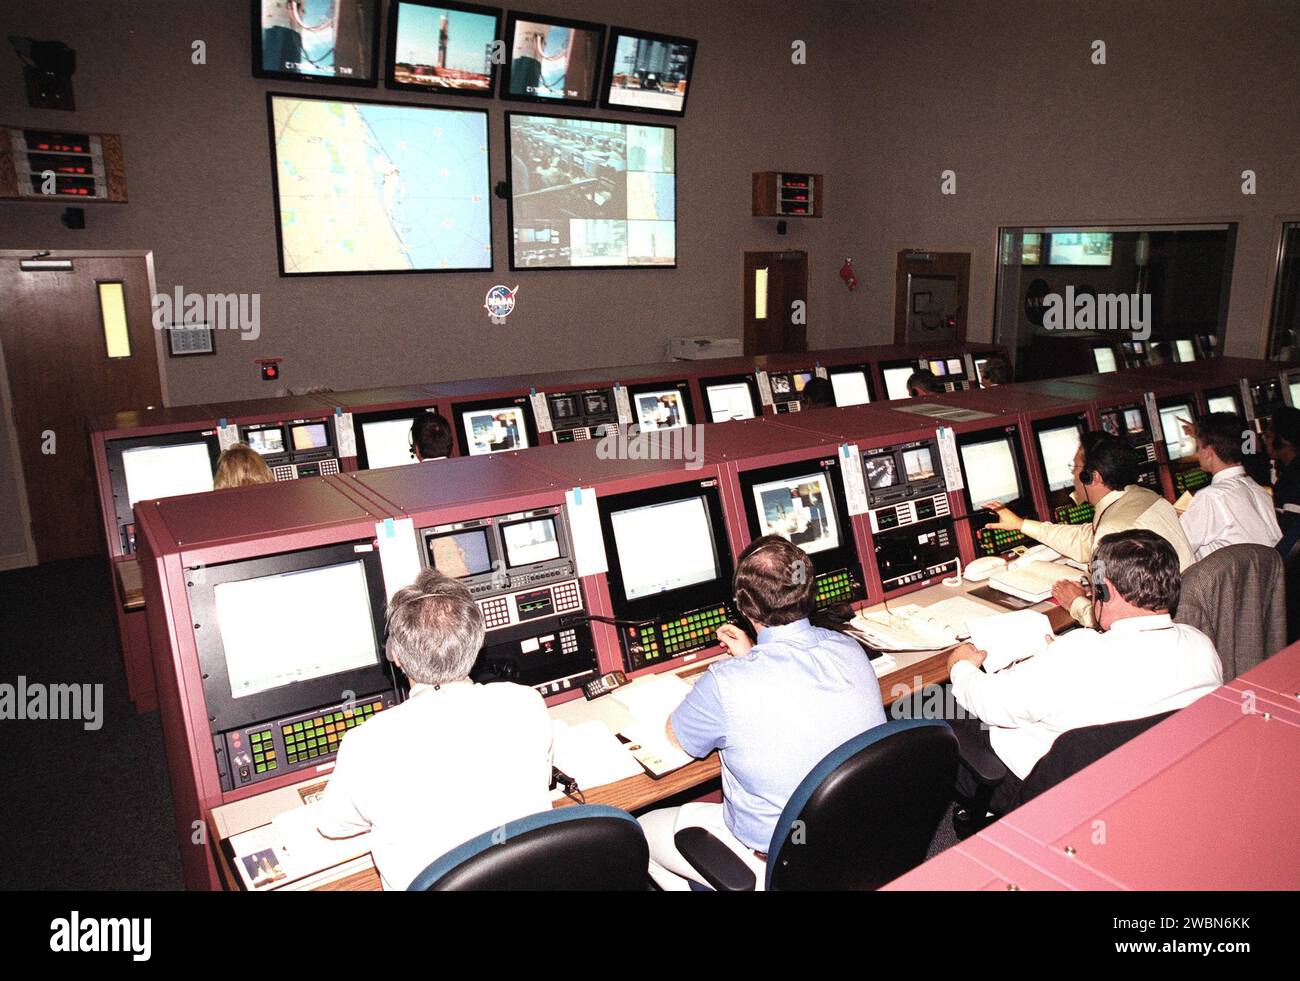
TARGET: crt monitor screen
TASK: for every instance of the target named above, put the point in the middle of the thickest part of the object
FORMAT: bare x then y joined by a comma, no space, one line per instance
462,553
850,388
1294,389
1058,447
266,441
881,471
729,400
799,509
660,410
309,436
1178,444
918,464
938,368
896,381
1104,358
166,471
787,387
495,430
388,442
531,541
663,547
295,626
1080,249
991,471
1223,403
1186,350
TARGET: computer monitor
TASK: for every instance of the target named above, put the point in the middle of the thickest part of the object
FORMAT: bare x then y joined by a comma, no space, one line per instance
896,380
1294,389
850,387
268,440
1104,359
991,471
1185,349
1057,447
495,426
665,547
460,553
1223,403
530,541
1179,445
167,470
788,386
800,509
730,398
385,439
663,405
955,367
939,368
980,365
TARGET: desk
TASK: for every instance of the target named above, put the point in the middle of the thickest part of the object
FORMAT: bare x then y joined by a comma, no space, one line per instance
129,584
911,671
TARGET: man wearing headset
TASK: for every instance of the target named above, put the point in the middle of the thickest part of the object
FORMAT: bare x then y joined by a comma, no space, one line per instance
773,710
1138,664
1105,476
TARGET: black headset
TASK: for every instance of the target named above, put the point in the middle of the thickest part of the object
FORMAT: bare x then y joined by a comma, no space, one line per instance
1100,591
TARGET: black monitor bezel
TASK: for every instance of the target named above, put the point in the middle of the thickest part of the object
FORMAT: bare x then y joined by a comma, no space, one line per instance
224,711
486,529
508,37
280,76
1233,391
716,591
459,409
682,385
1024,504
1061,496
562,552
390,65
114,448
1193,404
359,420
607,76
883,366
847,369
745,378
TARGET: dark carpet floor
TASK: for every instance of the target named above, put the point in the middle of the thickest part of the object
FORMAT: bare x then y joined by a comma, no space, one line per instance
88,810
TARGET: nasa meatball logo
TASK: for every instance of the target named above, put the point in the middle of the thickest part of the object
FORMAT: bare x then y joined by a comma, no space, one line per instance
500,303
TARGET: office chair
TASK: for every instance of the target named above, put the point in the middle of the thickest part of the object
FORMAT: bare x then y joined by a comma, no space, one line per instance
863,816
1237,597
585,847
1071,752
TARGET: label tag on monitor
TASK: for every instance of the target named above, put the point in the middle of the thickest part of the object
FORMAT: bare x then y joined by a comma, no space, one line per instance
399,553
764,387
1247,402
822,373
345,433
541,411
855,487
948,456
227,435
584,526
1153,417
623,405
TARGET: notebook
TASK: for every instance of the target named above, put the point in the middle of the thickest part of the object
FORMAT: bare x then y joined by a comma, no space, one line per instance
1031,581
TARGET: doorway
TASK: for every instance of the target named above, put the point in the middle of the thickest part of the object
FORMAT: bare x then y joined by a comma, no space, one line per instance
930,297
78,340
776,302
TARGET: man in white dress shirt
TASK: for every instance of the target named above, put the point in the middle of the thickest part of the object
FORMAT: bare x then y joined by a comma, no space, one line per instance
1233,509
1139,664
452,761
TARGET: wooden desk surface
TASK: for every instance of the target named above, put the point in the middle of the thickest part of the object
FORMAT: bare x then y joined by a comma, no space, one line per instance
909,673
129,583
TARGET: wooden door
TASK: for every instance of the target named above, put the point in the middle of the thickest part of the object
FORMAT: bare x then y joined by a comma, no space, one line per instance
66,365
930,297
776,302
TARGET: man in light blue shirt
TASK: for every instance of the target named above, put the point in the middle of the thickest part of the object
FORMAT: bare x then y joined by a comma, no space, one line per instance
772,711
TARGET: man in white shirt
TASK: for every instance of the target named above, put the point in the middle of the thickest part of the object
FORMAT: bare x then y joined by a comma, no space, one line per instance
1105,475
1139,664
1233,510
452,761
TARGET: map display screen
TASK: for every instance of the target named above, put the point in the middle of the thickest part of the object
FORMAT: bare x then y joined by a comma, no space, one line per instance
368,187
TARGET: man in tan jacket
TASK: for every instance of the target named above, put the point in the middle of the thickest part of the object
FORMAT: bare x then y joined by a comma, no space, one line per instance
1105,475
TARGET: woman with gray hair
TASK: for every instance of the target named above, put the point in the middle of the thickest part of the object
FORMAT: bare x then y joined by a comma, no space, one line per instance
452,761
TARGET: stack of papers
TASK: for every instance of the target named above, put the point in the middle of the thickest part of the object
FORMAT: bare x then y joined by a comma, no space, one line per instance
1010,637
1032,581
651,700
903,629
592,754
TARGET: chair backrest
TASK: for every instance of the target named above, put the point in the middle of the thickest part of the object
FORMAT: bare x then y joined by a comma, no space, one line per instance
1236,596
1080,748
868,811
587,847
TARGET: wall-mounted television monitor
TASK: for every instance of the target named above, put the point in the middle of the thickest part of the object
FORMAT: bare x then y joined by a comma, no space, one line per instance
1179,445
851,387
334,41
591,193
647,72
494,426
441,47
1080,248
379,187
730,398
896,381
552,60
1104,359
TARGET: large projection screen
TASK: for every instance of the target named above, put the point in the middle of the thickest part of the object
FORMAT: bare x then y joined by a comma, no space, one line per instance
379,187
590,193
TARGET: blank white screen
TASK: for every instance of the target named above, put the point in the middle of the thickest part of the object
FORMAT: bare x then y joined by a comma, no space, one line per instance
1186,352
1105,359
1295,394
728,402
388,442
664,546
1177,443
295,627
896,382
1226,403
850,388
990,472
166,471
1059,447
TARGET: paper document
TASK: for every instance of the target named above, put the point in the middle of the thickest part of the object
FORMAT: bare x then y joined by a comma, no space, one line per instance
1032,581
652,699
1184,502
903,629
1010,637
591,754
953,615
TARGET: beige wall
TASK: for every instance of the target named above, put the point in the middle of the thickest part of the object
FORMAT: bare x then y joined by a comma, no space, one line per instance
893,94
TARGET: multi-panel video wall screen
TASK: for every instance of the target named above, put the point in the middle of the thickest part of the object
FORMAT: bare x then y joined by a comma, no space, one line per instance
589,192
374,187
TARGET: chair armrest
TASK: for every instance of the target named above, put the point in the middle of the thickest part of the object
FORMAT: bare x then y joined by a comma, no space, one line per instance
719,865
982,762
